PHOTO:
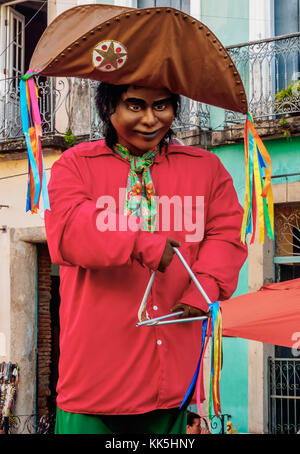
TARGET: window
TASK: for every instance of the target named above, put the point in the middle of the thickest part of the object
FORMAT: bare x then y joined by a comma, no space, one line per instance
286,15
13,64
182,5
16,40
284,369
287,241
287,251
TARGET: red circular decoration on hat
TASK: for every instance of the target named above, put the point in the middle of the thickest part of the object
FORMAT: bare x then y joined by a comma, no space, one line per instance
112,62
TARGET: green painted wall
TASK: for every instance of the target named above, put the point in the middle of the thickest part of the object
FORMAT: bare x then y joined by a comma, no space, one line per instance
106,2
234,379
229,21
285,156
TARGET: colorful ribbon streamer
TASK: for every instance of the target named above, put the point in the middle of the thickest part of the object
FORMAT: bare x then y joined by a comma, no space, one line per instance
212,327
32,129
258,195
216,361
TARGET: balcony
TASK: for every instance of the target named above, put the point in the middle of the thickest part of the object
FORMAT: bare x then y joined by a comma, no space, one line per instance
270,70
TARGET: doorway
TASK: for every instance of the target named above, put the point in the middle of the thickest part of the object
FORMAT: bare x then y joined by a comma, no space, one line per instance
47,340
284,368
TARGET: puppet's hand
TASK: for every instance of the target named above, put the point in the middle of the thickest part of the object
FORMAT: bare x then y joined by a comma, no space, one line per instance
188,311
168,254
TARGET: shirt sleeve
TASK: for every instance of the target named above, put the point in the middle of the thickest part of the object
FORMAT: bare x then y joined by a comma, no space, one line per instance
221,253
73,235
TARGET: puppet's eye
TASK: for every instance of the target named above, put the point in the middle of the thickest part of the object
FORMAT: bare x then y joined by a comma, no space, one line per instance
134,107
160,107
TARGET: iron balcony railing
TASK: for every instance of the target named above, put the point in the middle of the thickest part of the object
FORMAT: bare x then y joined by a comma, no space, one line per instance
284,395
53,95
45,424
270,70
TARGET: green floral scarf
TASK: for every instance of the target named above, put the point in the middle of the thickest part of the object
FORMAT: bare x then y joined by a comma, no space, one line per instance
140,197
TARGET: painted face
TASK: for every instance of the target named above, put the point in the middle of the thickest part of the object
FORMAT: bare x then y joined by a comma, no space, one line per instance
142,118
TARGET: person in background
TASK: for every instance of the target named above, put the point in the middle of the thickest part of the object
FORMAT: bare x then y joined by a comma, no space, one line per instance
193,425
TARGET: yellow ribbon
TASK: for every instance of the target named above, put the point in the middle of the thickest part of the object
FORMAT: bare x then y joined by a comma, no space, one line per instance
217,363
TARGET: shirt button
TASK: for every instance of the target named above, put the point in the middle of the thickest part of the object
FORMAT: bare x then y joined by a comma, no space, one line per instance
155,308
159,342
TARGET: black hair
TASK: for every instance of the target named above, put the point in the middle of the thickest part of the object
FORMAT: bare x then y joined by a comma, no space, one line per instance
191,417
107,99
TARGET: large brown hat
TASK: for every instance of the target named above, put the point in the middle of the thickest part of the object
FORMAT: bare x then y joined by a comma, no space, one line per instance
154,47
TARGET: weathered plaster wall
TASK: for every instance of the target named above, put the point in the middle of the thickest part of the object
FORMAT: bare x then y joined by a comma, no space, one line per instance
13,190
4,296
23,302
18,273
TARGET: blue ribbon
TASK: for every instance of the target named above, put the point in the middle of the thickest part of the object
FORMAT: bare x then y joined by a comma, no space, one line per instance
32,162
213,308
261,162
188,396
45,195
26,122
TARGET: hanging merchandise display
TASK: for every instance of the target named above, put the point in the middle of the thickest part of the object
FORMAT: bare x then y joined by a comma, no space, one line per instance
9,382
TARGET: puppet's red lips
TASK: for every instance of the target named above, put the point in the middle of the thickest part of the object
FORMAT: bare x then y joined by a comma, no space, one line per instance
149,135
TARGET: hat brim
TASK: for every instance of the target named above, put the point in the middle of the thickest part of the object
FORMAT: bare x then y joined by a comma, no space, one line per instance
153,47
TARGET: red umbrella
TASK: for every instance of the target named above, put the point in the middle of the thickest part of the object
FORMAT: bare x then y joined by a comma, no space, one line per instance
270,315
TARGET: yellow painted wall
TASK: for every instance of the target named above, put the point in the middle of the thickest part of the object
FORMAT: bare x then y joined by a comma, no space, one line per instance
13,191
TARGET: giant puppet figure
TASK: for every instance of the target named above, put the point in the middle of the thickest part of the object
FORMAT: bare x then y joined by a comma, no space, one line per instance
107,226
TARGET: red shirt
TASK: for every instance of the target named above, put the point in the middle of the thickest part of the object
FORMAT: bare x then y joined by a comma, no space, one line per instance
107,364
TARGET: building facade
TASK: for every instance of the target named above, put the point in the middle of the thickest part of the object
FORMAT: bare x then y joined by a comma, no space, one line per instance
263,40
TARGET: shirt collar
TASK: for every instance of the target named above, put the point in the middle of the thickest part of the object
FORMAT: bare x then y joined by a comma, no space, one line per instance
99,148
